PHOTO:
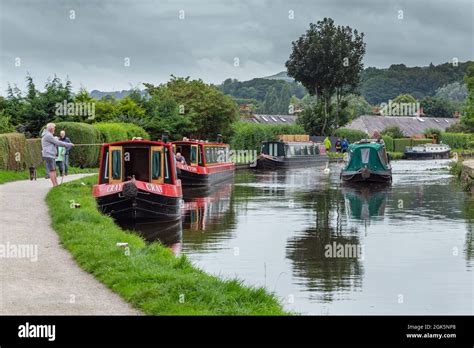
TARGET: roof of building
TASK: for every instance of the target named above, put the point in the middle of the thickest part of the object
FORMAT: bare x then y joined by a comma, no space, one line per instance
409,125
271,119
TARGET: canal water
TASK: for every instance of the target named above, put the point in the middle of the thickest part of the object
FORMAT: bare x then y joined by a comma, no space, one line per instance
329,249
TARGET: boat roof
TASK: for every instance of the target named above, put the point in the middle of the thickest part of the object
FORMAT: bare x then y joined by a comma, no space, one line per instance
193,142
291,142
137,141
372,144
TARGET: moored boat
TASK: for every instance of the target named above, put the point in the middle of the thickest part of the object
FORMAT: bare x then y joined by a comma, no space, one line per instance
427,151
367,161
283,154
137,180
207,163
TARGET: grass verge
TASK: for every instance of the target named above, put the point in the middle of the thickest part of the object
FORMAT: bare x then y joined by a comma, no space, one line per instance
150,277
10,175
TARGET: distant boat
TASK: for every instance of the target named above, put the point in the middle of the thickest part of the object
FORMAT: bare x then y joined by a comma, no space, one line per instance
367,162
288,154
427,151
207,163
137,180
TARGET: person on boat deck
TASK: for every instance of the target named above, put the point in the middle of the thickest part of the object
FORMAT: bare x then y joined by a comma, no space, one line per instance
64,138
49,151
180,158
338,145
327,144
345,145
60,158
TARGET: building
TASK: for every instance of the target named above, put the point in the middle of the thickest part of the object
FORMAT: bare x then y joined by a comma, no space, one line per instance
409,125
271,119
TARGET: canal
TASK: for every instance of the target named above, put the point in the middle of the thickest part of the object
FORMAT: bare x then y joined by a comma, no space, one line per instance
326,249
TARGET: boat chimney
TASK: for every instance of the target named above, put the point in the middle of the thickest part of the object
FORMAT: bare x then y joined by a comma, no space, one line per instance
164,137
219,138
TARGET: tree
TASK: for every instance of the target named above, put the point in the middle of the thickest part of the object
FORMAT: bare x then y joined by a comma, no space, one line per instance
393,131
438,107
209,111
468,115
404,98
327,60
270,105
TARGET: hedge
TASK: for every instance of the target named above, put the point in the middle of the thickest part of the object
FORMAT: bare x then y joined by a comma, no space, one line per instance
248,136
456,140
33,153
116,131
421,141
400,144
82,133
12,151
388,140
352,135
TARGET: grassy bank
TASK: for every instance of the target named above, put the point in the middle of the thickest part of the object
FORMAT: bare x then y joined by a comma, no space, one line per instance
151,278
10,175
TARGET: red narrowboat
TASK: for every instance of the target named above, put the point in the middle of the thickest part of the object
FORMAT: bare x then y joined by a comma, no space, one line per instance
206,163
138,180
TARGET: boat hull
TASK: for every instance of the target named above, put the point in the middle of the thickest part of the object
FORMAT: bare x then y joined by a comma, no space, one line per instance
427,155
203,177
367,176
272,163
139,201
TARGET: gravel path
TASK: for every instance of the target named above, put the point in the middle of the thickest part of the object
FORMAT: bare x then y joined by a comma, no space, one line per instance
53,284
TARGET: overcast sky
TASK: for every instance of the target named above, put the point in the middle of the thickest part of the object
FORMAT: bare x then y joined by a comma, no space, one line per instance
92,47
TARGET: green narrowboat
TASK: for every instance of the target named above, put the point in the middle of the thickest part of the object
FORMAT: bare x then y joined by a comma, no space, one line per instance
367,161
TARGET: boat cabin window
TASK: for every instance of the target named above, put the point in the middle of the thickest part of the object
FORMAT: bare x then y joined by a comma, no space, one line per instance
136,163
273,149
293,150
215,154
365,154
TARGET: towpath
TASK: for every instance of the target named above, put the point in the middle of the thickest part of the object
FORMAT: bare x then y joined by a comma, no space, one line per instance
50,282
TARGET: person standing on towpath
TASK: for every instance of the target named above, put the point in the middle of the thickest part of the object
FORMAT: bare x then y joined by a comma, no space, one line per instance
49,151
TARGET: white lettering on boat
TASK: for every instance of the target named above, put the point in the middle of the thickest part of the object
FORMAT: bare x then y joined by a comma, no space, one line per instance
154,188
188,168
114,188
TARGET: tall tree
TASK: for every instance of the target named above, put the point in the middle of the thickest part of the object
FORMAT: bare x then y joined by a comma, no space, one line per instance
468,116
327,60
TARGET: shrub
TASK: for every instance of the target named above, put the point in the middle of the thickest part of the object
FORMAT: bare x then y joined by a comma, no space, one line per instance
248,136
388,140
12,151
115,131
82,133
456,140
400,144
352,135
393,131
432,131
33,153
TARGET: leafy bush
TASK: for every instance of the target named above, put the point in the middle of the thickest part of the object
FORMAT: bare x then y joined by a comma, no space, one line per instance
12,151
33,153
456,140
393,131
248,136
432,131
352,135
400,144
82,133
388,140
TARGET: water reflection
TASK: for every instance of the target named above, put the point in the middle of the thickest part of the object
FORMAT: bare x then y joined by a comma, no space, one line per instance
169,234
364,202
208,216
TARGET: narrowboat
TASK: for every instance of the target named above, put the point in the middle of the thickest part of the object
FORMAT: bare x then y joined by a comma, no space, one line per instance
206,164
427,151
289,154
367,161
137,180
